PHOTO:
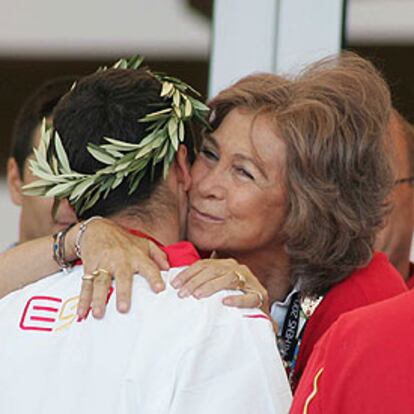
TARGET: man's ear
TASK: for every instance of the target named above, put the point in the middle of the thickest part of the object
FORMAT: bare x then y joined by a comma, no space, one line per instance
14,182
183,167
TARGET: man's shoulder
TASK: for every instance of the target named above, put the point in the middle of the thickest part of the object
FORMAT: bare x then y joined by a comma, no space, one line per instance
379,334
41,308
51,303
212,306
374,343
61,282
392,317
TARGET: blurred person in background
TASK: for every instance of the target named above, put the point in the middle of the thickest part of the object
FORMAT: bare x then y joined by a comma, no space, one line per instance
35,212
396,237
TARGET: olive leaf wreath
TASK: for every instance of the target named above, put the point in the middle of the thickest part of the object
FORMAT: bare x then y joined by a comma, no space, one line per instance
123,160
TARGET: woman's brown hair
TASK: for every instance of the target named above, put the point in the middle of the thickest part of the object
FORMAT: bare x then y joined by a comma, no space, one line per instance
333,119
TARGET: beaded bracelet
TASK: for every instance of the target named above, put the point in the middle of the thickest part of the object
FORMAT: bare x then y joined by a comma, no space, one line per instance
79,236
59,255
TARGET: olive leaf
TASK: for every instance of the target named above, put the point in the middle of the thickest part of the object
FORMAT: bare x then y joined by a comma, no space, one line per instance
100,155
166,88
59,190
80,188
60,151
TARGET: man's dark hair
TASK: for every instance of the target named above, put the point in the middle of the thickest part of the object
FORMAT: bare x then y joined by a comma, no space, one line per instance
38,105
110,103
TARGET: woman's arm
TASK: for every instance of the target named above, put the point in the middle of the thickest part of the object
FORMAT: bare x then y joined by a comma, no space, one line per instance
104,245
26,263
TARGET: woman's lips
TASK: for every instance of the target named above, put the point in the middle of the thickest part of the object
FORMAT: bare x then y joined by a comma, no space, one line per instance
205,217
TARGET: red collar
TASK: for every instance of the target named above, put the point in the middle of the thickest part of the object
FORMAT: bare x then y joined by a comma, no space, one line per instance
179,254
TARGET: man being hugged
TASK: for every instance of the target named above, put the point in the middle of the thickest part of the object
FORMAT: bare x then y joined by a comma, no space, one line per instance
120,147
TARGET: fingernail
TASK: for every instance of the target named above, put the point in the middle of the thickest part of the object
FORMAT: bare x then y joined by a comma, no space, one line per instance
183,293
123,306
198,294
97,312
80,312
159,287
227,301
176,283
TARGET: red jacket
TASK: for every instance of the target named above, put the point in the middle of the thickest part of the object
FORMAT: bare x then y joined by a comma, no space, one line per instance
377,281
364,364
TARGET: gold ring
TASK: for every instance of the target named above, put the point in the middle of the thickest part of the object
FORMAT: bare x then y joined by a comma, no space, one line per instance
258,294
261,298
97,272
241,280
88,277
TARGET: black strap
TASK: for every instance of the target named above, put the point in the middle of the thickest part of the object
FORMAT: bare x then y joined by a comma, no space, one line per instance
290,332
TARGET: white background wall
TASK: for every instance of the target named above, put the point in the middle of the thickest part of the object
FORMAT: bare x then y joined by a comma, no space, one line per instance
9,218
100,28
166,27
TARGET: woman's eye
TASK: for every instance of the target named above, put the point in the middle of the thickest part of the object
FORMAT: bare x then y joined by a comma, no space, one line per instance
243,172
209,154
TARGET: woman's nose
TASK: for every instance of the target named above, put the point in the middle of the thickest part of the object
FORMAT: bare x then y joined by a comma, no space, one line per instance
212,184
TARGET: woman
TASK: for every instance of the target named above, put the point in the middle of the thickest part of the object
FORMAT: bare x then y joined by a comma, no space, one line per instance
290,184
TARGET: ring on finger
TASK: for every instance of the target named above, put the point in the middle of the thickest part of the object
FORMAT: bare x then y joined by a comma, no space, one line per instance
98,272
261,298
258,294
88,277
241,280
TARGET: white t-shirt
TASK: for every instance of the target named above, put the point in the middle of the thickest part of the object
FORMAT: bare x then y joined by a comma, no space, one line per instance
167,355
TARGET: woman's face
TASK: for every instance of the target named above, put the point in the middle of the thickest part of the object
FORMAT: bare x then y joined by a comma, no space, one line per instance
237,198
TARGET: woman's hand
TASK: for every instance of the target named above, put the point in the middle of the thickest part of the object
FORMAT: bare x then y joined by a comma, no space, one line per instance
206,277
111,252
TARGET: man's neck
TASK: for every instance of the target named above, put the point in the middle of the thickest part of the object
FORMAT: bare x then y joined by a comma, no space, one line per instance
166,230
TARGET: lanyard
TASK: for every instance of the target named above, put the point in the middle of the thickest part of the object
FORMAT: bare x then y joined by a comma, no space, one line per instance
299,311
290,332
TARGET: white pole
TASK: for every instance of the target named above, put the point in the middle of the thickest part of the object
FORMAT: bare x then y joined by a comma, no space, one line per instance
272,36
